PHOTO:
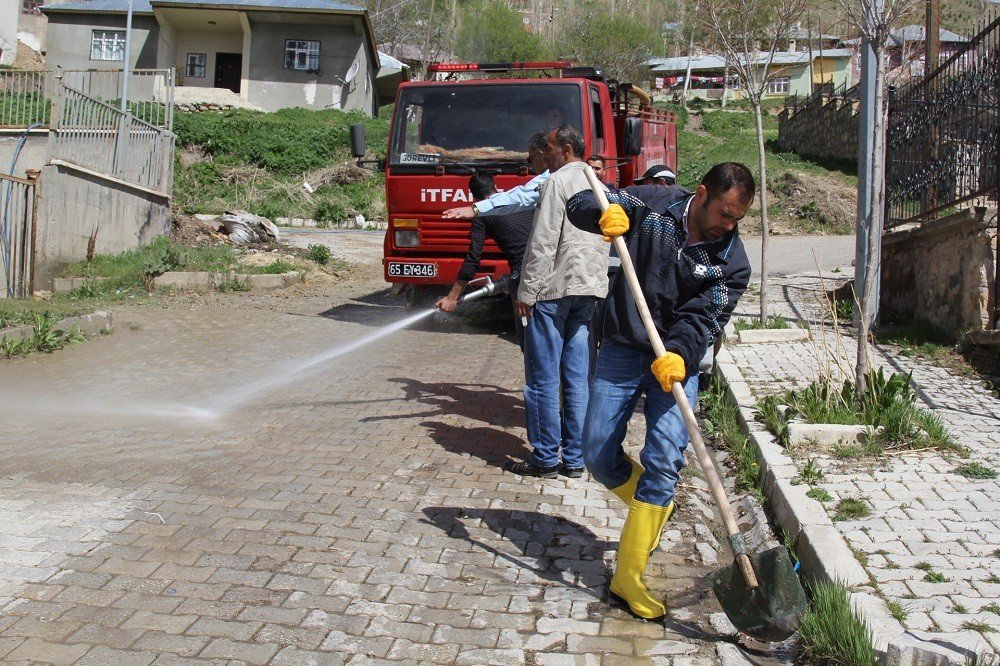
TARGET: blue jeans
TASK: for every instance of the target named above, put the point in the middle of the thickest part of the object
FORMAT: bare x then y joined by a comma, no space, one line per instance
556,348
622,374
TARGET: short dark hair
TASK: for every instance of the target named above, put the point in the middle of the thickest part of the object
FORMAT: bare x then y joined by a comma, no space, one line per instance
723,177
538,141
571,135
596,157
481,185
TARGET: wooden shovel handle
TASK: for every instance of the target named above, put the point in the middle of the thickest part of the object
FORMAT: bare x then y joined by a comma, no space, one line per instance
705,460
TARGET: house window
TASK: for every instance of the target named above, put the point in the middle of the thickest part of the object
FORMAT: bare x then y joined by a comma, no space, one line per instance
107,45
195,65
778,86
301,54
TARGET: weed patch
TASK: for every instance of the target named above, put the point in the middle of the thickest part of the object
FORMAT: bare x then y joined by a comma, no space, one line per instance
888,403
897,610
819,494
975,470
274,268
831,633
44,338
318,253
721,422
774,321
851,509
981,627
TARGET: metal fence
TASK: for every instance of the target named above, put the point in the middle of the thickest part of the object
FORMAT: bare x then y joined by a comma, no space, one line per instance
27,97
18,213
98,136
943,135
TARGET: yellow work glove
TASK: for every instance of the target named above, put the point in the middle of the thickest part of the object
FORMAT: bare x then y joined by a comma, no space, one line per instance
668,369
614,222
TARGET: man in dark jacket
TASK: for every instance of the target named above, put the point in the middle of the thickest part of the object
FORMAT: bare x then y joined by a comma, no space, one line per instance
692,268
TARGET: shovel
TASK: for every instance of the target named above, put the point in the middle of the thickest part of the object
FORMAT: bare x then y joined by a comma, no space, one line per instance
760,593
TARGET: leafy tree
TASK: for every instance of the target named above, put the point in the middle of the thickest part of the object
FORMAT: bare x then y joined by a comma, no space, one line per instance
493,32
617,43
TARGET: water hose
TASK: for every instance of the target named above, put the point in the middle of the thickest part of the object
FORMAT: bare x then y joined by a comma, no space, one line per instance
5,225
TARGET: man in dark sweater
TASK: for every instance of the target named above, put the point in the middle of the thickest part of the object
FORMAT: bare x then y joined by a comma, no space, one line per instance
693,268
510,232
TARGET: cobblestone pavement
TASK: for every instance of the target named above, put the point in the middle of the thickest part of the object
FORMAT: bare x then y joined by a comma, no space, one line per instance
925,519
359,515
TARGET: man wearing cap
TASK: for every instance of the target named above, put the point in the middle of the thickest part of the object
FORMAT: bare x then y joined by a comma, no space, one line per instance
659,174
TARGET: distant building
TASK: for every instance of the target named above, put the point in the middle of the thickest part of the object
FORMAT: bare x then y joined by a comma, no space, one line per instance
906,47
269,54
791,73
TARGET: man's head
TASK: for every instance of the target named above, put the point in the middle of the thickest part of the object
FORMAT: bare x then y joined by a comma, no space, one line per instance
536,152
658,175
554,117
481,185
565,144
721,200
597,164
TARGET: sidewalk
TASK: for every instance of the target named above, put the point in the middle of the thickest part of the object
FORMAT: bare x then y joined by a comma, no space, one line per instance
924,517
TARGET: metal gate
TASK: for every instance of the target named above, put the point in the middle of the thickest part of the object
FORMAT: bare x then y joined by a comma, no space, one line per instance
18,213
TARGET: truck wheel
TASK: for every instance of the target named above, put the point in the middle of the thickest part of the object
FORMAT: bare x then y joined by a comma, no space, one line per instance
417,297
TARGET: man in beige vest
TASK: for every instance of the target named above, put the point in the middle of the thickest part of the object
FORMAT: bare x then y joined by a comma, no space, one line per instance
565,271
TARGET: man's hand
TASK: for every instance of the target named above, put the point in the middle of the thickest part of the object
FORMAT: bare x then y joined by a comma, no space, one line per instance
462,212
614,222
668,369
447,303
522,309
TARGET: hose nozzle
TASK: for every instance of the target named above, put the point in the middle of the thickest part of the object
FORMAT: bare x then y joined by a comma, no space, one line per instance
488,289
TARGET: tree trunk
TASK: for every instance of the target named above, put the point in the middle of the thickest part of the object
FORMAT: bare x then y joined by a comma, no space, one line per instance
687,75
764,228
870,296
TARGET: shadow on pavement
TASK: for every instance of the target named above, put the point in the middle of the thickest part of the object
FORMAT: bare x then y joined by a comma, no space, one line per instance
490,404
496,447
551,546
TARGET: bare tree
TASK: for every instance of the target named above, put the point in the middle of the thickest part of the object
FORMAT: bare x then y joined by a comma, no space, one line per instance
875,19
750,33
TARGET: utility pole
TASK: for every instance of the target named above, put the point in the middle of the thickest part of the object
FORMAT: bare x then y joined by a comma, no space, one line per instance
866,135
932,36
128,54
427,41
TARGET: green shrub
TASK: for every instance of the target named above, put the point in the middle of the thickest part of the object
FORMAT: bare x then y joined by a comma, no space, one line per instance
318,253
831,633
721,420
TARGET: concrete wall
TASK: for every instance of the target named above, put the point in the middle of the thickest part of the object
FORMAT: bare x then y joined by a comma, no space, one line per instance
341,44
10,11
68,40
74,207
942,272
209,44
34,152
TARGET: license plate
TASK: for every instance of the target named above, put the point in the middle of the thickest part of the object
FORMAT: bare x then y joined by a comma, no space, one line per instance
400,269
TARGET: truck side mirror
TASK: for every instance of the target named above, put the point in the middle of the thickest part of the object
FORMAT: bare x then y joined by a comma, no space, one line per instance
358,140
633,136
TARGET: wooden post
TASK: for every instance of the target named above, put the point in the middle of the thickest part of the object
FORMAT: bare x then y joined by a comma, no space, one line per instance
33,175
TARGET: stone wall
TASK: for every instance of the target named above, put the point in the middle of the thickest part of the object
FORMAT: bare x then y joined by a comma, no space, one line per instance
825,131
942,272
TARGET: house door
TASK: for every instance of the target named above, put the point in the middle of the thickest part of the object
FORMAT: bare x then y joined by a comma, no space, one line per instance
228,70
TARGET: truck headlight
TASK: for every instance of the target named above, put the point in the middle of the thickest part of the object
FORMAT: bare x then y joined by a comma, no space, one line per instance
407,238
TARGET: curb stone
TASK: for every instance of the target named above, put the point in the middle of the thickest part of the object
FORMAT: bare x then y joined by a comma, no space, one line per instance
794,333
200,280
89,325
822,550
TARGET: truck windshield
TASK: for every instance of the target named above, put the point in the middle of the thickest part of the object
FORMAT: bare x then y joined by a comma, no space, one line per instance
444,124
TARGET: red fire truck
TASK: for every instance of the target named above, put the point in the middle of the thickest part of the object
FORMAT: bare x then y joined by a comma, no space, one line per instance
443,130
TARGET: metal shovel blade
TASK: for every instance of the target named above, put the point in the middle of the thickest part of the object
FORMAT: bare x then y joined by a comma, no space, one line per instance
770,613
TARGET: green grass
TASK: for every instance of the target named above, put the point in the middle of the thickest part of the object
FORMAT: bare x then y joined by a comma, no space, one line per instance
819,494
888,403
318,253
255,161
831,633
720,421
234,283
992,608
811,472
774,321
897,610
850,508
274,268
975,470
920,338
930,575
44,338
981,627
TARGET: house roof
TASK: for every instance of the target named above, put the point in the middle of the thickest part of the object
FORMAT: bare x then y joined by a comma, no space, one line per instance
714,62
145,6
913,33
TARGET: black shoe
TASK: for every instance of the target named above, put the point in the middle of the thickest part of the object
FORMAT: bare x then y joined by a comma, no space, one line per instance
528,468
570,472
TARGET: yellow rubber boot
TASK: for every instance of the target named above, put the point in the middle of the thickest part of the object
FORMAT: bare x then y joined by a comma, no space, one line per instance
642,530
626,491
